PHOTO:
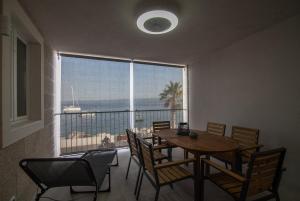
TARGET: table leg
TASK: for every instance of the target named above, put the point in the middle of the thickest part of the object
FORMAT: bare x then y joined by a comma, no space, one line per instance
158,140
198,182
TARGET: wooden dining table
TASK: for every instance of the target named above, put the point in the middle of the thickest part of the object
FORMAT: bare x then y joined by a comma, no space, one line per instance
204,144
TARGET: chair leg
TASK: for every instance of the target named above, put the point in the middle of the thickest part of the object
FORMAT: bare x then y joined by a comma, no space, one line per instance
171,186
128,167
109,182
96,193
170,154
139,187
137,181
226,165
277,197
38,196
186,156
157,193
207,167
71,190
117,160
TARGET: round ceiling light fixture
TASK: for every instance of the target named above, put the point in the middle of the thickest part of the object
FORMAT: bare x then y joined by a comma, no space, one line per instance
157,22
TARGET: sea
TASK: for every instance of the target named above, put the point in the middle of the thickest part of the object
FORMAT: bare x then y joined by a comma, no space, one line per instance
114,116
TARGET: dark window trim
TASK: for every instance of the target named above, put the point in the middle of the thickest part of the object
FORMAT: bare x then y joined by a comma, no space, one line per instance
121,60
158,64
94,57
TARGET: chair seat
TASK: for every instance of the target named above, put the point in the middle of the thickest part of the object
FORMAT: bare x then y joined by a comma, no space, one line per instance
158,155
227,183
171,174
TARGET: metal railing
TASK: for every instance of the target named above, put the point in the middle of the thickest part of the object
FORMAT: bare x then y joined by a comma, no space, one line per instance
90,130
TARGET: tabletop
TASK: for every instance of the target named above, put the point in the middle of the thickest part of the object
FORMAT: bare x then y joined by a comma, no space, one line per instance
204,143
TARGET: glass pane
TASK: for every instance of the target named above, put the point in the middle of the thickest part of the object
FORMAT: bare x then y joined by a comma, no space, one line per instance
159,89
90,85
94,103
21,78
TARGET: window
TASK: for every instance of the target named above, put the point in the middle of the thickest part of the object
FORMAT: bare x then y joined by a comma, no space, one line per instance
20,80
22,77
158,91
102,97
150,81
94,85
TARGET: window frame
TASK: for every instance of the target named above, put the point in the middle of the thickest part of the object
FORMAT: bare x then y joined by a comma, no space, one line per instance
11,131
14,78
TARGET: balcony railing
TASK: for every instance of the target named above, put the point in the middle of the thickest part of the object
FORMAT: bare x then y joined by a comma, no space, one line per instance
90,130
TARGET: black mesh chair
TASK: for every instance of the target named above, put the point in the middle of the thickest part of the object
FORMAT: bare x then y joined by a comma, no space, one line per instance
88,170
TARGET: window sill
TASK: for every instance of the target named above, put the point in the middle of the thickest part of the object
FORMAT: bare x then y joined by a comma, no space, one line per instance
23,129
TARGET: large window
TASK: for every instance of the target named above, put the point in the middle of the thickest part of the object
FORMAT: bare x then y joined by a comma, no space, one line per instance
90,85
101,98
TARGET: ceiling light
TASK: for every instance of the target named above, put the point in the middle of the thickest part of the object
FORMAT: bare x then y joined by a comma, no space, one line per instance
157,22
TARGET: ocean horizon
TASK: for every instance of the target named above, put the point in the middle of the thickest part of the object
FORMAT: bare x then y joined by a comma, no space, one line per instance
114,118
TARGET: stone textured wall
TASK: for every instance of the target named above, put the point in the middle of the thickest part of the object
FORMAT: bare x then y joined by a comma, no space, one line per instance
13,181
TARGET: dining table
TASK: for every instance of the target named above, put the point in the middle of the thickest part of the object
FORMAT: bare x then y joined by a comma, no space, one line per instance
201,144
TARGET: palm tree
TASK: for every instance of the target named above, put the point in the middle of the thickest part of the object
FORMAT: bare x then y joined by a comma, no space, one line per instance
172,95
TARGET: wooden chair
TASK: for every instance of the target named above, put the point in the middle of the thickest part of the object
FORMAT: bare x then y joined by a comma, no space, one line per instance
214,129
247,138
158,126
133,147
263,175
161,174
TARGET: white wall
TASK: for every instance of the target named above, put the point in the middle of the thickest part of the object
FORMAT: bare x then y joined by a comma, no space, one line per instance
255,83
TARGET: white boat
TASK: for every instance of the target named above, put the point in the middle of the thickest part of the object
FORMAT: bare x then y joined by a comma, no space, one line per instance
88,115
72,108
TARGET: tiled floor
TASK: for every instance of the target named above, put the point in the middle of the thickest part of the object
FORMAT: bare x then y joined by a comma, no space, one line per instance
122,190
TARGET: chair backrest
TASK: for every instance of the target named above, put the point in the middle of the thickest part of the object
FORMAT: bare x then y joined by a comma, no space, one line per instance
216,128
264,171
161,125
245,136
132,142
147,159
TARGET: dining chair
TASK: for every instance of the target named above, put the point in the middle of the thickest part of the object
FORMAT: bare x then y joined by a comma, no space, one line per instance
160,174
214,129
247,138
263,176
134,154
158,126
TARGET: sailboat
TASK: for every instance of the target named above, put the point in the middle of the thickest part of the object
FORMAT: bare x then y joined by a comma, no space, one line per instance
72,108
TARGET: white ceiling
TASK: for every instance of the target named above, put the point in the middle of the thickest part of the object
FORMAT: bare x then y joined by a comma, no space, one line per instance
108,27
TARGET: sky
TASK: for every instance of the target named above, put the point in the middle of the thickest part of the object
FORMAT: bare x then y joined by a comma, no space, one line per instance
110,80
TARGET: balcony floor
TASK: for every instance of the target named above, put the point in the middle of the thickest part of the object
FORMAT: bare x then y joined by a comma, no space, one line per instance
122,190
